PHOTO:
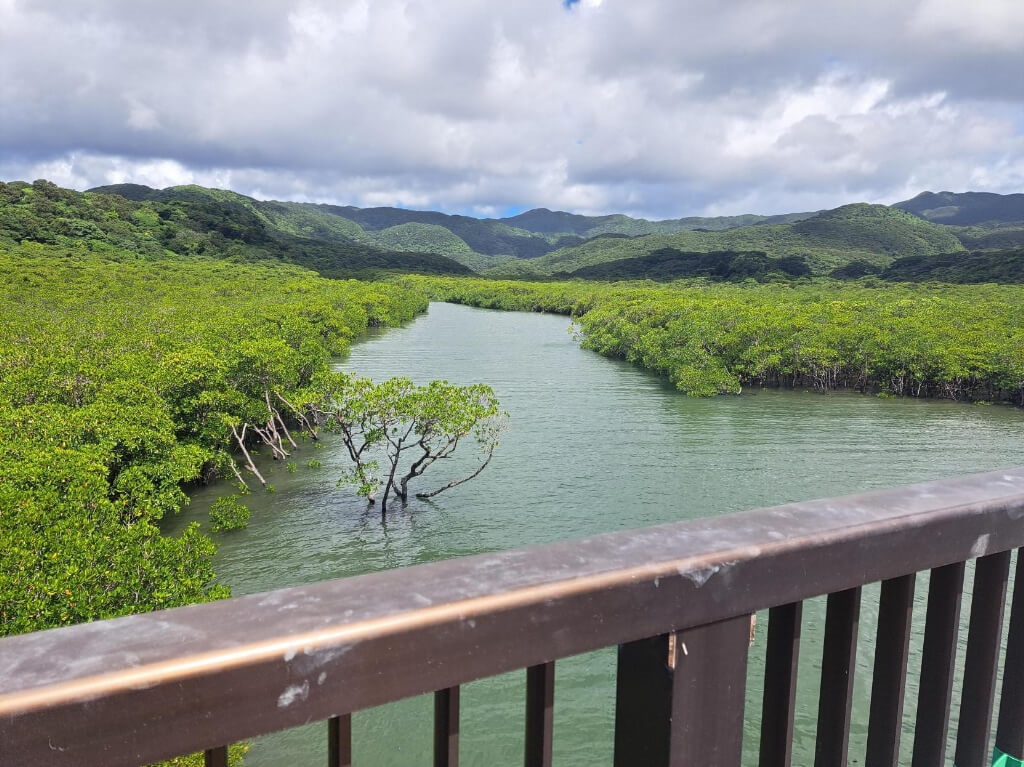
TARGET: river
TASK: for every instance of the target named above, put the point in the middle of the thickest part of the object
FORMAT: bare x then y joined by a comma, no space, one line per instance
593,445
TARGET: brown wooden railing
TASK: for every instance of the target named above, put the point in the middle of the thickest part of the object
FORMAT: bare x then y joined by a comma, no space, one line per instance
675,599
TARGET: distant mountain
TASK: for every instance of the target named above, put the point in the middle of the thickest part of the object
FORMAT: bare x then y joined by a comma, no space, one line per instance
941,233
544,221
132,220
874,234
489,237
480,242
966,208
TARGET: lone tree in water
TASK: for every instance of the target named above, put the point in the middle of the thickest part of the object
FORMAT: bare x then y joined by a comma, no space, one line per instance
394,431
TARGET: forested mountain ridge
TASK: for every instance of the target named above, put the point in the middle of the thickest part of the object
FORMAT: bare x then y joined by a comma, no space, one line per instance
468,237
874,234
849,241
527,235
966,208
545,221
980,220
192,222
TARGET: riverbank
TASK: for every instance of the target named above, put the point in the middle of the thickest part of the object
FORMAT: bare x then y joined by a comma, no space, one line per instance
962,342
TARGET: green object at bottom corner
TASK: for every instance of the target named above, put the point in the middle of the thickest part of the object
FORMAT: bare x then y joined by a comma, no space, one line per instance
999,759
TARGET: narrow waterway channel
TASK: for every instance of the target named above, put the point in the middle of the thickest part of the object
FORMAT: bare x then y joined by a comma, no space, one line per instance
593,445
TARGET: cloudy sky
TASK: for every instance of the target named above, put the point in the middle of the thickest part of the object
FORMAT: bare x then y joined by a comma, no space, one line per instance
658,108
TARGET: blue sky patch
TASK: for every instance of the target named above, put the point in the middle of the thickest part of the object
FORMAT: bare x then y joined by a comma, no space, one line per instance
569,4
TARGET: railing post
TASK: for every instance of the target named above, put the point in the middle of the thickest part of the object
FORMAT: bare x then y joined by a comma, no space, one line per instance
779,701
679,698
540,707
446,727
1010,732
977,695
889,679
339,741
216,757
837,664
938,663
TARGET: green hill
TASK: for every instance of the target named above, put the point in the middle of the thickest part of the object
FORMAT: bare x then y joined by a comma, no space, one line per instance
966,208
489,237
876,229
544,221
432,238
874,234
848,242
186,222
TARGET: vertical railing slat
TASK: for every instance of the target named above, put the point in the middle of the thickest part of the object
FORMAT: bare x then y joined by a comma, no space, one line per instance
779,701
540,706
889,678
680,697
983,635
339,741
938,663
711,684
643,702
216,757
1010,732
837,664
446,727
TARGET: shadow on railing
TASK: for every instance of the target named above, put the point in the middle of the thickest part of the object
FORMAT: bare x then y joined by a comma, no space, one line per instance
676,599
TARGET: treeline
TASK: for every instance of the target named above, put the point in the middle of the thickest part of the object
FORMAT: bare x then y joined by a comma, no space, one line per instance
123,380
954,342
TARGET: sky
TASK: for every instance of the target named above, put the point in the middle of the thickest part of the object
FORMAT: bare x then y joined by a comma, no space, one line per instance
654,108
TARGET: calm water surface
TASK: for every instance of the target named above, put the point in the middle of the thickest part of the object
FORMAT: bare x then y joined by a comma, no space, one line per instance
593,445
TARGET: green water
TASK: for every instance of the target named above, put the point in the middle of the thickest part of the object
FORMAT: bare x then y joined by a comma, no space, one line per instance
593,446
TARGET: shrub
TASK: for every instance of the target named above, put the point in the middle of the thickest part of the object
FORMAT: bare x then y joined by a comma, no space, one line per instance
228,513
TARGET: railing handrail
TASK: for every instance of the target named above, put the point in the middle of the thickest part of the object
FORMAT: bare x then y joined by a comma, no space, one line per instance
270,661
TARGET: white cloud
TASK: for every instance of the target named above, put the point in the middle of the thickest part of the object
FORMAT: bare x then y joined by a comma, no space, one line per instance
656,108
997,23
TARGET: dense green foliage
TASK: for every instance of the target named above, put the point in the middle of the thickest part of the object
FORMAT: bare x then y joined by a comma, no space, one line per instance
188,222
121,379
959,342
228,513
